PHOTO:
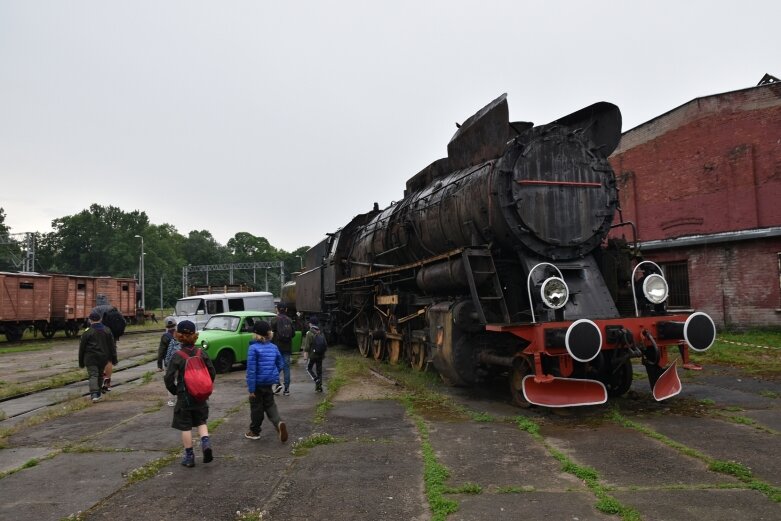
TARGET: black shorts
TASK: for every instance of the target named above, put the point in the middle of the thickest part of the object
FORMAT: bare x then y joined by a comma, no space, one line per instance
186,419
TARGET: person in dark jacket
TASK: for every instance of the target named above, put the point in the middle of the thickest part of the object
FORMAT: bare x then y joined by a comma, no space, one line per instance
165,340
113,320
187,412
314,366
280,324
96,349
264,362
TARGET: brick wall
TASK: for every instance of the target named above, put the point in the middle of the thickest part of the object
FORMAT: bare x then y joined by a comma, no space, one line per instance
709,166
737,283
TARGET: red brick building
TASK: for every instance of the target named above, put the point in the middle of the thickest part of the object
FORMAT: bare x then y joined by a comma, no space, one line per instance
702,184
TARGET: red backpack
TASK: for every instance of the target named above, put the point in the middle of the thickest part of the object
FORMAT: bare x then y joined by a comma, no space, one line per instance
197,380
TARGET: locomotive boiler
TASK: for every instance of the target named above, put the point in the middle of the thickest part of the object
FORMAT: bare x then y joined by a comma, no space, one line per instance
497,262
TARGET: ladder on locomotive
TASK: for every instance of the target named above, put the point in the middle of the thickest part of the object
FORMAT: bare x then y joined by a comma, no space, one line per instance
484,284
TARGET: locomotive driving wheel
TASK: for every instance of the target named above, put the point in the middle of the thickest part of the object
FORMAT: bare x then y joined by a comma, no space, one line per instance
521,368
417,350
377,337
361,330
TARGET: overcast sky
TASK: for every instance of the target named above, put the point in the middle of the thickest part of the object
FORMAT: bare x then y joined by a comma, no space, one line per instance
286,119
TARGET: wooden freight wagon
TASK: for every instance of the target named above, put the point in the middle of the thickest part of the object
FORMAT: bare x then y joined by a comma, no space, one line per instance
25,301
120,293
73,297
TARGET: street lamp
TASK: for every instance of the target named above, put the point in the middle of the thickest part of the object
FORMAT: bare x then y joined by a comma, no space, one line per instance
141,274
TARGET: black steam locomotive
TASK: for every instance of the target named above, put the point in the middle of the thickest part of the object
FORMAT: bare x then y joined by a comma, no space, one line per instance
497,262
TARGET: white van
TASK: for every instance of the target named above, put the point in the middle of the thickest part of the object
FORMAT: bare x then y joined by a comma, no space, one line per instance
200,308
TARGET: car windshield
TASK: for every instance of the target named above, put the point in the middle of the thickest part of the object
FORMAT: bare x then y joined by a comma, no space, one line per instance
187,307
224,323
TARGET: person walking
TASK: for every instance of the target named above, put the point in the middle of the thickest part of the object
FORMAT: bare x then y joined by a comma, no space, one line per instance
113,320
315,346
167,341
264,362
282,327
189,413
96,349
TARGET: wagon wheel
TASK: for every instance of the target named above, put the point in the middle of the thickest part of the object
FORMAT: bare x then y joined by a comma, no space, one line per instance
361,330
48,331
71,330
417,349
13,333
620,381
521,368
377,337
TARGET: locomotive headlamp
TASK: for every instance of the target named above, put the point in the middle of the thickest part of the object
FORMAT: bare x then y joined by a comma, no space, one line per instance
655,288
554,292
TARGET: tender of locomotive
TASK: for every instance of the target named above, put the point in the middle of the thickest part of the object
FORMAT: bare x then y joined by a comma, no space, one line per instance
497,261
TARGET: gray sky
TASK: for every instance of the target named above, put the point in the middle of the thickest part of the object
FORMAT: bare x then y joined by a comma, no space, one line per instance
286,119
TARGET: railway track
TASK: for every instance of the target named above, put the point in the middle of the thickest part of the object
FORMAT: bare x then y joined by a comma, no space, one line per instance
56,338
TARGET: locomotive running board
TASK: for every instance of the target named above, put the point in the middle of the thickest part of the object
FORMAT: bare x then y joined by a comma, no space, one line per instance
564,392
668,384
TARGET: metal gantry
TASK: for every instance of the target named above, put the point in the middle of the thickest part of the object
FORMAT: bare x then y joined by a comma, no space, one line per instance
230,268
27,260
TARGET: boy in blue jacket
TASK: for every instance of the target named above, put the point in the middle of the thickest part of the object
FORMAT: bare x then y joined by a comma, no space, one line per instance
264,362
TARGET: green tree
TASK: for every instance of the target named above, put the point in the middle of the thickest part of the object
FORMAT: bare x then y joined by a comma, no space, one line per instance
201,248
97,241
10,250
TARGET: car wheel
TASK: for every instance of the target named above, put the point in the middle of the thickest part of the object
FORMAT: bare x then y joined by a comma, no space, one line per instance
224,361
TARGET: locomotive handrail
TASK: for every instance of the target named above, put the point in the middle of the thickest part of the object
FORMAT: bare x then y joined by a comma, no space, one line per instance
529,286
634,293
416,264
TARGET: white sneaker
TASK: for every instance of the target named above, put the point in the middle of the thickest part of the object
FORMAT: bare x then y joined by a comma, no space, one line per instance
171,403
277,388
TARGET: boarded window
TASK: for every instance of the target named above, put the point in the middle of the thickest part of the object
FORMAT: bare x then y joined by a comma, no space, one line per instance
26,285
677,275
81,286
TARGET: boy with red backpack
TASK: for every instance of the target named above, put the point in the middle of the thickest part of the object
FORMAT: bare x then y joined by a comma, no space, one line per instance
190,376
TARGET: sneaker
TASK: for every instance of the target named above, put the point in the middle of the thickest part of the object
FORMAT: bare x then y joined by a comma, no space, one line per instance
252,435
96,397
318,389
171,403
286,392
282,428
207,451
188,460
277,388
106,387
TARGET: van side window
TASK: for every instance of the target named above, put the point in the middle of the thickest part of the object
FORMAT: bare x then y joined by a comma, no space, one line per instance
235,304
214,306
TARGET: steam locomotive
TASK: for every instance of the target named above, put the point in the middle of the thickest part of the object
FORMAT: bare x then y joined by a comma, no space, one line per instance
497,262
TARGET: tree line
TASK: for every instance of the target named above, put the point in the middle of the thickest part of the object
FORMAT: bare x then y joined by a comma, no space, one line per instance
102,241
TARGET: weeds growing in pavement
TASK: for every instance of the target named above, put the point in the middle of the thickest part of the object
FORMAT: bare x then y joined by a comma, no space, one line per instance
152,468
301,447
730,468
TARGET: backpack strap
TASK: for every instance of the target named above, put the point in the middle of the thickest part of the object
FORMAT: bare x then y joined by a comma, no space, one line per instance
183,354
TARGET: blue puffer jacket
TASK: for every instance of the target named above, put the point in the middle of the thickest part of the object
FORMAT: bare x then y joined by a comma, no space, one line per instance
264,362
